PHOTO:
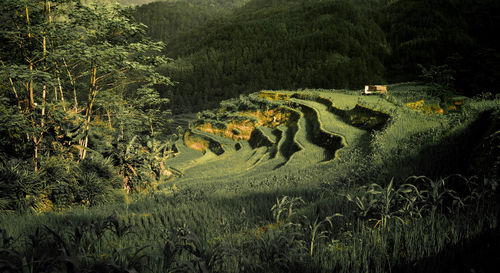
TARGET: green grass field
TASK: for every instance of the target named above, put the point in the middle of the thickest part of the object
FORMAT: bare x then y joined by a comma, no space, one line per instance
384,199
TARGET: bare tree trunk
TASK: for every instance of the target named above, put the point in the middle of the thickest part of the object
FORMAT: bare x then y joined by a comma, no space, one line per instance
60,91
109,118
44,95
73,83
88,112
13,88
31,95
151,126
35,153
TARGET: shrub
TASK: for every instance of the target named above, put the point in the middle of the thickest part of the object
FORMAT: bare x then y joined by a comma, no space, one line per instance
103,168
63,194
19,186
58,177
97,178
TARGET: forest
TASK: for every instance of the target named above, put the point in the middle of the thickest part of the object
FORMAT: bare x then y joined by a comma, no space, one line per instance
282,44
233,136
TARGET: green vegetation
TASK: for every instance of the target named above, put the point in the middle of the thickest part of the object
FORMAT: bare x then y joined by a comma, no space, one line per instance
166,20
274,45
68,116
252,209
96,177
239,47
451,37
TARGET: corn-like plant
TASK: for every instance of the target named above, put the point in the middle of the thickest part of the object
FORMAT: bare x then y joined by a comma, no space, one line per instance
436,195
284,205
407,202
127,259
317,234
117,227
411,197
382,204
275,250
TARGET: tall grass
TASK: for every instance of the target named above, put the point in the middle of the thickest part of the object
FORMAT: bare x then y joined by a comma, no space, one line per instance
127,240
367,211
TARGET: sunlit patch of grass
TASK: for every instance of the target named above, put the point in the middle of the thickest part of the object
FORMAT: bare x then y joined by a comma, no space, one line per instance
196,142
428,108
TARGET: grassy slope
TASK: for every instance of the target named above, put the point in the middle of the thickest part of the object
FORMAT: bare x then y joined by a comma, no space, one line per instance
260,163
334,123
225,198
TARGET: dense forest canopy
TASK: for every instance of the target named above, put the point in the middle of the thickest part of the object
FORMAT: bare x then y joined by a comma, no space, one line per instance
455,33
125,2
274,45
168,19
287,44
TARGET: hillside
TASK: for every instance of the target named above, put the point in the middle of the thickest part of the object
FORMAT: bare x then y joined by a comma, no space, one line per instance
284,44
167,20
123,2
278,163
135,2
315,177
296,128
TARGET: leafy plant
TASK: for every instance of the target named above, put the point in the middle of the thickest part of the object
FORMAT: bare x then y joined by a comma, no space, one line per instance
204,258
316,233
383,204
285,205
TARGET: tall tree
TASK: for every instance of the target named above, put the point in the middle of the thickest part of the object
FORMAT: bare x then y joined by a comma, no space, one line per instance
53,50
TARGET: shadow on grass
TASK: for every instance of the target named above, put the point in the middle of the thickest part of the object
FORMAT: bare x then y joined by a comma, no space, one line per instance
452,155
479,254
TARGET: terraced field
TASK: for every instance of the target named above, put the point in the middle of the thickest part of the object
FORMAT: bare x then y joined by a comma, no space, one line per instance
318,125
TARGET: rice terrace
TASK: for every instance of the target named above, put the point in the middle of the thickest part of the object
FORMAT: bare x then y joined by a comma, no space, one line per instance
285,152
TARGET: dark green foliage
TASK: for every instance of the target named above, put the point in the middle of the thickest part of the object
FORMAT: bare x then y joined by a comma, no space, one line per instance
238,104
18,186
141,161
96,177
441,78
67,183
452,32
166,20
102,167
289,241
278,45
423,32
76,79
284,44
12,131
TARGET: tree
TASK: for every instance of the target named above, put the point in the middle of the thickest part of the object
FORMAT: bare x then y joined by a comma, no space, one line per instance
423,32
52,50
277,44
